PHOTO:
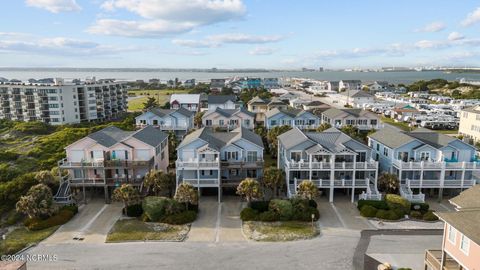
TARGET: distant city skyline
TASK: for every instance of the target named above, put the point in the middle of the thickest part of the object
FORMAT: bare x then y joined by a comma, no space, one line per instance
264,34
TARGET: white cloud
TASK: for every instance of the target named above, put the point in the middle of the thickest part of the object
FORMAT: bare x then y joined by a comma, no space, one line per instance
159,16
430,44
214,41
455,36
261,51
472,18
432,27
31,44
55,6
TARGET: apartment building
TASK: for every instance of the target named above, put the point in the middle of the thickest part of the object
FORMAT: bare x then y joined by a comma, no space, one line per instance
425,159
331,159
209,159
361,119
180,121
461,237
111,157
58,102
470,123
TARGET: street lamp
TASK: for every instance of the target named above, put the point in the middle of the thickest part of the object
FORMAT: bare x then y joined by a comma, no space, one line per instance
313,229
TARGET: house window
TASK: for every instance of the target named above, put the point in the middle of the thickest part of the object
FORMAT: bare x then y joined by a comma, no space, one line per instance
338,122
385,152
208,123
221,122
273,122
246,122
232,155
373,122
452,234
425,156
252,156
350,122
361,157
465,244
378,146
252,173
155,122
296,156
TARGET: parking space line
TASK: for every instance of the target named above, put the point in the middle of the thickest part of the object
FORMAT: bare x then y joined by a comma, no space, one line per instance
217,225
338,215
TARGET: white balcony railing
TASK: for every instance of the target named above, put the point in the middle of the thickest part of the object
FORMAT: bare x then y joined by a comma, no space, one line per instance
197,164
435,165
366,165
202,182
437,183
326,183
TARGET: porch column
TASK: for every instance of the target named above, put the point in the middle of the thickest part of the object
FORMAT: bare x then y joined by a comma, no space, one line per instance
442,182
219,186
287,179
421,181
279,158
83,187
310,167
354,178
332,178
463,176
376,175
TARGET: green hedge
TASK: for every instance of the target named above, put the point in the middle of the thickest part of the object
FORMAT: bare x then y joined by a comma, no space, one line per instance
134,210
260,206
422,207
368,211
306,215
394,200
248,214
377,204
62,217
156,208
268,216
387,215
430,216
416,214
180,218
283,208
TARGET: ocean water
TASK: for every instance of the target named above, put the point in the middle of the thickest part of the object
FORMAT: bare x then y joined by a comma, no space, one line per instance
392,77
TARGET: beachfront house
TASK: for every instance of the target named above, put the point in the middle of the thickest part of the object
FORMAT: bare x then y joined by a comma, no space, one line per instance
111,157
361,119
331,159
229,119
180,121
227,102
291,117
424,159
216,160
190,102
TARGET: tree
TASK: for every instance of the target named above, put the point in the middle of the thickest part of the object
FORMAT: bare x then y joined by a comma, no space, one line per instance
272,137
45,177
324,126
274,179
127,194
37,203
166,105
388,183
186,194
307,190
150,103
350,131
250,189
160,182
198,119
172,145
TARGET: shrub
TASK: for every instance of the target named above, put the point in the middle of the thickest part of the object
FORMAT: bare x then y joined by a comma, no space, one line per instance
134,210
430,216
72,207
62,217
180,218
399,209
283,208
377,204
268,216
299,205
387,215
306,215
260,206
422,207
248,214
397,199
9,156
415,214
155,208
368,211
12,218
312,203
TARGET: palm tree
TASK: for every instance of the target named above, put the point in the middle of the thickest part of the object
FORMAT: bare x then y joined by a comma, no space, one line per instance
186,194
45,177
274,179
37,203
388,183
127,194
272,137
198,119
307,190
160,182
250,189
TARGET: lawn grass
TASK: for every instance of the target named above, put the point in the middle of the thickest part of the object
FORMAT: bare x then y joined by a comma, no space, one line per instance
21,238
137,230
448,131
279,231
162,96
400,125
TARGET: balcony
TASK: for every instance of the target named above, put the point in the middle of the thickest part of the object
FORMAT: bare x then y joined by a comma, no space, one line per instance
306,165
166,127
340,183
433,165
196,164
242,163
437,183
106,163
433,259
202,182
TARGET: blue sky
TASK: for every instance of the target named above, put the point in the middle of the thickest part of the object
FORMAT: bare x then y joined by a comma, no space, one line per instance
239,33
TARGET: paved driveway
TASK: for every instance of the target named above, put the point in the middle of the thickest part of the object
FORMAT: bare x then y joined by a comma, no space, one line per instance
342,213
92,223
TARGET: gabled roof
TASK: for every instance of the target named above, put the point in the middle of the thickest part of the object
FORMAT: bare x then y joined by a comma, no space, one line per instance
357,94
391,137
330,140
473,109
465,221
469,198
217,140
110,136
221,99
316,103
163,112
289,112
432,138
334,112
185,98
257,100
229,112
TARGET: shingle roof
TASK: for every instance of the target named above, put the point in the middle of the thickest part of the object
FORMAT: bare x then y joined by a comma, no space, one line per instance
315,103
221,99
257,100
185,98
150,135
390,137
356,93
217,140
112,135
432,138
469,198
229,112
162,112
290,112
473,109
465,221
